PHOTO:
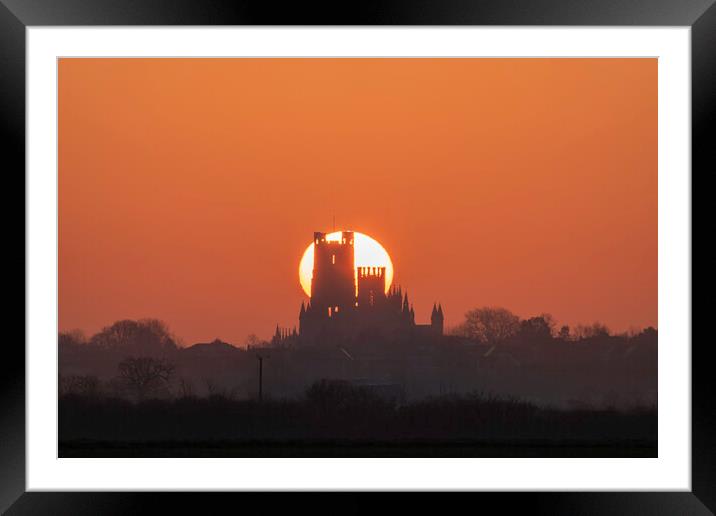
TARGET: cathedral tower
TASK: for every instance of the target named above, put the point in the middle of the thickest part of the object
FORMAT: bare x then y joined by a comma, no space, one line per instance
349,305
333,285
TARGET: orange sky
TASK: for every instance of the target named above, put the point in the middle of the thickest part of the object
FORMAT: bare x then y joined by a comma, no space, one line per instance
188,188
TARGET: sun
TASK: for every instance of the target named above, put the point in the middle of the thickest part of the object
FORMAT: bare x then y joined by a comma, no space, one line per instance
368,253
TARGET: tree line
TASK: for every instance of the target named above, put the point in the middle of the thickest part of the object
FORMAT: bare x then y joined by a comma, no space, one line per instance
142,359
495,325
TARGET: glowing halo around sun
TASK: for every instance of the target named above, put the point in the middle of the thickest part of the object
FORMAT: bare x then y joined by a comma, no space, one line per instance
368,253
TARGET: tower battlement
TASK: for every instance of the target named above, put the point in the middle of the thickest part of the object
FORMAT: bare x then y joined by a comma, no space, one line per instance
366,272
320,238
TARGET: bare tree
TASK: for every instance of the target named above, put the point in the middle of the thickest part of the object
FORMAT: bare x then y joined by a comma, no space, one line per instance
536,329
186,388
146,337
211,388
564,333
252,341
70,339
551,323
490,324
594,330
79,385
145,375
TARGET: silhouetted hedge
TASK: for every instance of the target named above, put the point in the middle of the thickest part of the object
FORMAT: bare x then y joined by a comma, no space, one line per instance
343,412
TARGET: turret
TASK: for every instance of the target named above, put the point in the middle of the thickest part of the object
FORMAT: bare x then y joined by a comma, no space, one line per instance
395,298
371,286
437,319
276,339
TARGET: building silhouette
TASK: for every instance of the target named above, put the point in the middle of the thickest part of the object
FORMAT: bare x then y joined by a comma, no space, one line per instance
350,304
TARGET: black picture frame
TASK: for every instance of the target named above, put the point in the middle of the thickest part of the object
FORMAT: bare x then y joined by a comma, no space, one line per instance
17,15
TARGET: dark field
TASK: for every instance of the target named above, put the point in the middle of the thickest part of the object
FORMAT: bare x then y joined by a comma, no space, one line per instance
332,422
345,449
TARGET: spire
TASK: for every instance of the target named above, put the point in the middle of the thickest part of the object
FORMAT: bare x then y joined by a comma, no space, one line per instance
406,305
303,310
278,332
436,321
434,312
395,299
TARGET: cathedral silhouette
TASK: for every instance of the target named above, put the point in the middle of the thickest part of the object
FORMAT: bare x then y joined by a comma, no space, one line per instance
350,305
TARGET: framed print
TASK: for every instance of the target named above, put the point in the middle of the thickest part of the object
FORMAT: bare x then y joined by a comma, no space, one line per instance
440,249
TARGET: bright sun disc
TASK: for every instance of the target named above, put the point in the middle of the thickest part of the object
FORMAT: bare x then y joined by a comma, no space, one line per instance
368,253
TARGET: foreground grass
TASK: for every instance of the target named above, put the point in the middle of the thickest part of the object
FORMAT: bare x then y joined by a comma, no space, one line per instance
348,425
